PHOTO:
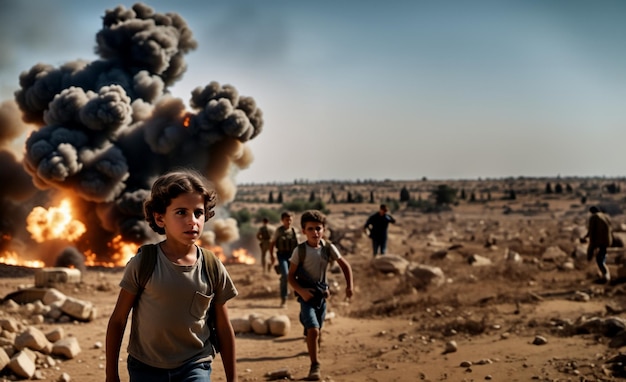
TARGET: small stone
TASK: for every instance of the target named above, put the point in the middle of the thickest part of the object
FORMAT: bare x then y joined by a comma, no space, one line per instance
451,347
540,340
466,364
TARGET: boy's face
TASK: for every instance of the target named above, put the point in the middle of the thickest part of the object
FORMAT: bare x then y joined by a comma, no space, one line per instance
314,232
287,221
183,220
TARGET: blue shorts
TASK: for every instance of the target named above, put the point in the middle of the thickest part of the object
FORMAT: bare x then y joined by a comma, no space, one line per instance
190,372
311,317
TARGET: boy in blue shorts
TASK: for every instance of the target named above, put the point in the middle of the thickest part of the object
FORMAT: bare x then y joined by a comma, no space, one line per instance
309,282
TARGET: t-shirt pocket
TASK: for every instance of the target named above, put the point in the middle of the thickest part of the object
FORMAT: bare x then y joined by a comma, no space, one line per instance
200,305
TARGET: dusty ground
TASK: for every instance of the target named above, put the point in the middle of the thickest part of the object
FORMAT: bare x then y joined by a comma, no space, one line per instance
390,332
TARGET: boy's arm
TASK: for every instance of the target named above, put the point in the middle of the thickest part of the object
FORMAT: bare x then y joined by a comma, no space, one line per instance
115,333
347,273
226,337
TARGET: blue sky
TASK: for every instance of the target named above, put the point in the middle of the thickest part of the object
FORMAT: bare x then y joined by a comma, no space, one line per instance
376,90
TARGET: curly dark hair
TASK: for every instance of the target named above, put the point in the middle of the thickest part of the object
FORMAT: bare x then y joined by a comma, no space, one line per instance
172,184
314,216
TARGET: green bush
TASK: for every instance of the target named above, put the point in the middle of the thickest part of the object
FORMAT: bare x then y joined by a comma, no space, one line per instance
272,215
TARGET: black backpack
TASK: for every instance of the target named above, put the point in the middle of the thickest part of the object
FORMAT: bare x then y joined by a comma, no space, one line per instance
146,268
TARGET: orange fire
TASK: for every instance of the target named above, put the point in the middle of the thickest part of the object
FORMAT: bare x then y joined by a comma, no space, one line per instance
122,252
11,258
54,223
187,121
242,256
238,256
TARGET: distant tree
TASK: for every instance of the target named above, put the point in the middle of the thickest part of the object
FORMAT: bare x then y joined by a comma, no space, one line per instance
371,196
512,195
558,189
270,198
333,198
312,196
612,188
404,194
280,197
444,195
242,216
488,195
583,199
548,188
358,198
472,197
349,198
568,188
463,196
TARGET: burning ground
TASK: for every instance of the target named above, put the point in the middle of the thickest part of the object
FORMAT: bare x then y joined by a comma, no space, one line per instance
99,133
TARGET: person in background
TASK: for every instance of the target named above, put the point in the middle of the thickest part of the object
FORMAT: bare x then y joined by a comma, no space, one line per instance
264,235
377,225
169,334
314,261
600,235
285,239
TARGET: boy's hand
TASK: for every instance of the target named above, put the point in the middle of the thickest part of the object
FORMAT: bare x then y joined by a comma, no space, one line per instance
349,293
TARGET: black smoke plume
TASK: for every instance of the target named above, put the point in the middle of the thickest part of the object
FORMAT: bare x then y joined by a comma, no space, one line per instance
104,130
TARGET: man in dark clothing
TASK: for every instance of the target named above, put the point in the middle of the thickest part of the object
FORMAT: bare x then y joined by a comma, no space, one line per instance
600,236
377,225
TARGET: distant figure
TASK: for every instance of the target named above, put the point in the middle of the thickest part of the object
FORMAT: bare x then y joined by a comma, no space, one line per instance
307,276
285,239
599,232
377,225
264,235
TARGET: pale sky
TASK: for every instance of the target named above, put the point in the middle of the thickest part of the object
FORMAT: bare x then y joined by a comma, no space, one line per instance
386,90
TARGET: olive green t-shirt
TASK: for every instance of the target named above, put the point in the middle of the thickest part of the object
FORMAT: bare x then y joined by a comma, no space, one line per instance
169,323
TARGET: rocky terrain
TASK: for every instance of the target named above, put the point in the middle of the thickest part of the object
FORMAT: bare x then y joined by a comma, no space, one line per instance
491,288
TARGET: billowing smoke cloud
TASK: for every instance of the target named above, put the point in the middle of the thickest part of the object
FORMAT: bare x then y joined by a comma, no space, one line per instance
106,129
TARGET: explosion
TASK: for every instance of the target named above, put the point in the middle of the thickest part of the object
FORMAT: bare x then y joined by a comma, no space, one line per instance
54,223
104,130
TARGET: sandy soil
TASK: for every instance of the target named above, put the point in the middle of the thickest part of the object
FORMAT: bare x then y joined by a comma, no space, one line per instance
391,332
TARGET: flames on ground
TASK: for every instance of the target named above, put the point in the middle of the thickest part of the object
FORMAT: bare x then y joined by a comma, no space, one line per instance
58,223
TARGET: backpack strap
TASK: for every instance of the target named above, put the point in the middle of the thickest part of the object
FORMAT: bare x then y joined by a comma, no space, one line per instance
147,264
211,267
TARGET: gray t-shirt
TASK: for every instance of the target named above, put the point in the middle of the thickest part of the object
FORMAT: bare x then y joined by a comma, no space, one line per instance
168,326
315,264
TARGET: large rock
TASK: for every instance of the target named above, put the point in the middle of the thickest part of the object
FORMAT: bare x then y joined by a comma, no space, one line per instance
421,276
258,324
4,358
241,325
67,347
22,365
34,339
554,254
79,309
478,260
279,325
390,264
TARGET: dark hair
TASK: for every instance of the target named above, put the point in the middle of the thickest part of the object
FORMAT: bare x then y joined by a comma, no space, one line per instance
314,216
171,185
594,209
286,214
266,220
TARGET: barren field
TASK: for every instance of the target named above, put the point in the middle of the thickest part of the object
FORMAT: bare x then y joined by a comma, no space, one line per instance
532,312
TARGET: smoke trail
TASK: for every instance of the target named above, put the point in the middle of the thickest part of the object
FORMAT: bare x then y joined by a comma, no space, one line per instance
106,129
